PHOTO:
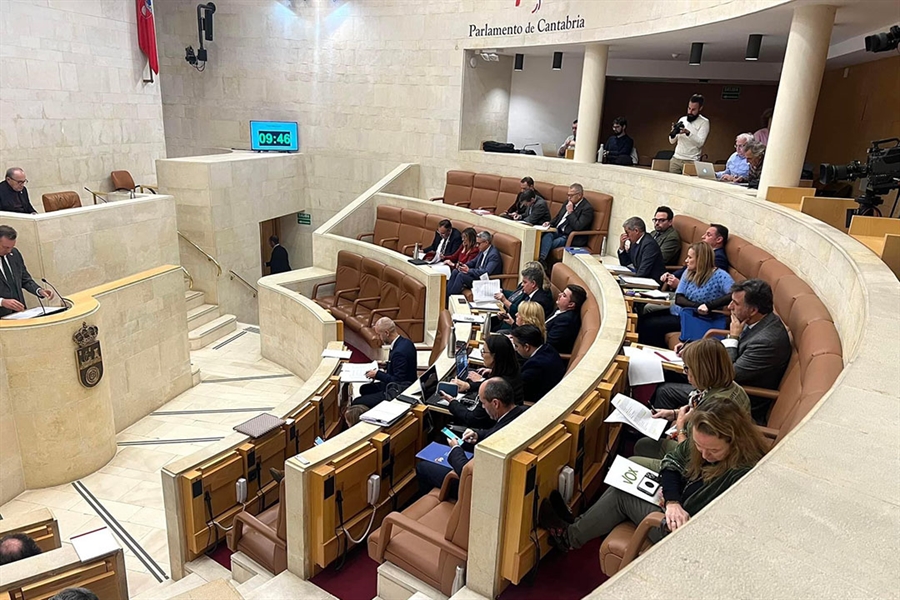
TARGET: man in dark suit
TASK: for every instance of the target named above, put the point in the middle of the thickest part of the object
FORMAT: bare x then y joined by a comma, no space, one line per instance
488,261
543,367
498,400
644,256
400,368
13,195
447,240
532,208
278,262
530,290
757,343
576,215
14,276
563,325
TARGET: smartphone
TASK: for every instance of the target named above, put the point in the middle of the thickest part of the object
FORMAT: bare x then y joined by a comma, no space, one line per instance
649,484
452,436
318,440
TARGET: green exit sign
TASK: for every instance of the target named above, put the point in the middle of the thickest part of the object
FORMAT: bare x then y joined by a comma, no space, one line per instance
304,218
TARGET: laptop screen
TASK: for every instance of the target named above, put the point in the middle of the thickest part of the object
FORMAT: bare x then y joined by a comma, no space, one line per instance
429,382
462,363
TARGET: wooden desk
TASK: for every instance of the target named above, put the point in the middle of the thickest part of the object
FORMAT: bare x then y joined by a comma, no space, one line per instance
881,235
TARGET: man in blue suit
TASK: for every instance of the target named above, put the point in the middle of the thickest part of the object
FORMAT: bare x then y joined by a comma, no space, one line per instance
400,367
543,367
488,261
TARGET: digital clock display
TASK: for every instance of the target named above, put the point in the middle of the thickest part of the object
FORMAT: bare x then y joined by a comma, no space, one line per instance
274,136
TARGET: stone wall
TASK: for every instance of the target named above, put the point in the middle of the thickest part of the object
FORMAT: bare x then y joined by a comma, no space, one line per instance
12,477
82,248
73,106
145,345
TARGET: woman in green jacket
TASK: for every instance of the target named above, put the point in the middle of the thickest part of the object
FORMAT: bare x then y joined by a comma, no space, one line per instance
723,446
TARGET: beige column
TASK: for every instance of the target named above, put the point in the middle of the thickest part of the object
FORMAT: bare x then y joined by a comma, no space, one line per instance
590,103
798,93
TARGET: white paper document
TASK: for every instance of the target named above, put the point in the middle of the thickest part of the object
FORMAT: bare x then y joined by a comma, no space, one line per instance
442,269
484,290
618,269
636,480
342,354
356,372
39,311
492,305
475,354
638,282
542,227
664,354
643,367
638,416
386,413
477,319
95,543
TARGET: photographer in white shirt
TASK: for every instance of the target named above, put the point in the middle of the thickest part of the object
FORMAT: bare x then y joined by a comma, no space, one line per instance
689,134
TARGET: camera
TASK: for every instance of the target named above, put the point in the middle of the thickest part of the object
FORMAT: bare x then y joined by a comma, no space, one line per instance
882,173
883,42
676,129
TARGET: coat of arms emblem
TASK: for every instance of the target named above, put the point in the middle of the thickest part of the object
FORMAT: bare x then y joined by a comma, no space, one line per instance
90,362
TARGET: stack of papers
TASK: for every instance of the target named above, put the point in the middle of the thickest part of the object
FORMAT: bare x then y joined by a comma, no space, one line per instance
442,269
93,544
638,481
386,413
644,366
638,282
492,305
356,372
618,269
342,354
33,313
655,294
542,227
483,290
631,412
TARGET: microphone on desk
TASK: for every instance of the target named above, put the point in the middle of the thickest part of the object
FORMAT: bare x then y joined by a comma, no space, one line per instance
56,291
43,309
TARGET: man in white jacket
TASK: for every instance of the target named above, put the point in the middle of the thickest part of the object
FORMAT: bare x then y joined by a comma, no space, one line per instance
690,136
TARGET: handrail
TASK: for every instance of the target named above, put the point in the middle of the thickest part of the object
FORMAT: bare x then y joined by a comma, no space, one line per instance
242,280
204,252
188,275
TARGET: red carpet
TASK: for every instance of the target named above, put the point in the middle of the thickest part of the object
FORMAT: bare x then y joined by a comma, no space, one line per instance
356,356
357,580
562,576
222,555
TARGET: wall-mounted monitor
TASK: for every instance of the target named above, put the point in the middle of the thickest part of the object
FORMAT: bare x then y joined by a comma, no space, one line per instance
274,136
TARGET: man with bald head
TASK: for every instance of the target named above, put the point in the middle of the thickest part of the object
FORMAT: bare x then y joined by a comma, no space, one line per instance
17,546
13,195
399,369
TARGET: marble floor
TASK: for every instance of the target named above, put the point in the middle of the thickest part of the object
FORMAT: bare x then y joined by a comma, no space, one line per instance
129,486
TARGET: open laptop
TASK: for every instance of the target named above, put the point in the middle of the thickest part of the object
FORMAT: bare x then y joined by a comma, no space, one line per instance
705,170
429,384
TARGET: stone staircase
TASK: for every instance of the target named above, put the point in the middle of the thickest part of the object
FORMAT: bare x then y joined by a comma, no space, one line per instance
205,324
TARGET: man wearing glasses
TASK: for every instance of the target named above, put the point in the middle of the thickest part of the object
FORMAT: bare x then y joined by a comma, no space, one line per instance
13,195
737,168
666,236
576,215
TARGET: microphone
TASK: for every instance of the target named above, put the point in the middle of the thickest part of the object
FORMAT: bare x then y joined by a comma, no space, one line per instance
56,291
43,309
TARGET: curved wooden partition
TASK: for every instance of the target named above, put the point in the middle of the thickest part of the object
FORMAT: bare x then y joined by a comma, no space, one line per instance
803,499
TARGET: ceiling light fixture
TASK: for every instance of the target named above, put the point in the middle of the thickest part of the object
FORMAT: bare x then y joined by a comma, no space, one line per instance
696,53
557,61
754,43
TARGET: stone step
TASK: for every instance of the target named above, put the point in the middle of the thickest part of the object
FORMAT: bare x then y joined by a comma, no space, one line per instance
207,568
170,588
202,315
212,331
286,585
252,584
194,298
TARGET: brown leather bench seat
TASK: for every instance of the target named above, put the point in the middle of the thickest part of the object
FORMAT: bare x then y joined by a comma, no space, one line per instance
561,276
815,364
497,193
366,290
401,229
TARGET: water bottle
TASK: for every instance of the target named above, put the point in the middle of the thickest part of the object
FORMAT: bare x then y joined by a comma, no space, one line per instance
459,580
416,251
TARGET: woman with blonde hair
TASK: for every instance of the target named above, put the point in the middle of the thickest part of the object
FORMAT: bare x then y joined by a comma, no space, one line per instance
532,313
710,371
724,446
703,288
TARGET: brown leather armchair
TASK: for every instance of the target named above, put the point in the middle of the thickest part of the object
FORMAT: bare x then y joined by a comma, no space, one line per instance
429,539
625,542
602,204
123,182
60,200
263,537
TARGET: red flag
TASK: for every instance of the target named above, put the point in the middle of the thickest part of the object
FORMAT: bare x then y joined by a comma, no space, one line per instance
147,33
